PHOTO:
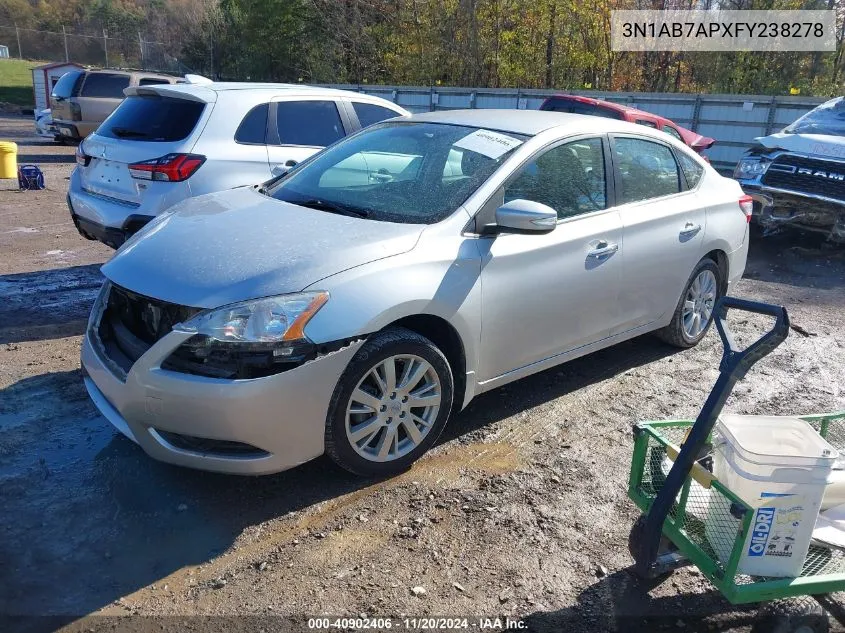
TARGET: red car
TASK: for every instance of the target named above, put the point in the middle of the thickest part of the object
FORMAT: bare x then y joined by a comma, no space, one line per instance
597,107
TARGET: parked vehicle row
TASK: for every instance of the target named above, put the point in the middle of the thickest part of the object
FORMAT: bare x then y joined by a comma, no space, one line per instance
167,143
337,307
353,304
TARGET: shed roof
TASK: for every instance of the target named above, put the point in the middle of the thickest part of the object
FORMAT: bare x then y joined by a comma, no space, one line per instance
56,65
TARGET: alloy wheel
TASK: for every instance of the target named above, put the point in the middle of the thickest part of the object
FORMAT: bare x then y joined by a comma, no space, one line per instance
393,408
699,302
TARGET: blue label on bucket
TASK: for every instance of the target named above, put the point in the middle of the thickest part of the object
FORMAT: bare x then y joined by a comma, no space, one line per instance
760,531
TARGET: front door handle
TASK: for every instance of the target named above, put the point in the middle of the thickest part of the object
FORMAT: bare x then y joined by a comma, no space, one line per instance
690,229
603,249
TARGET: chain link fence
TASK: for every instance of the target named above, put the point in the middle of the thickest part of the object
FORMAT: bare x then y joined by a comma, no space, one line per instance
101,50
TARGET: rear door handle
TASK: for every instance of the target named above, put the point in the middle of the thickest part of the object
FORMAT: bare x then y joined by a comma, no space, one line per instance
603,249
690,229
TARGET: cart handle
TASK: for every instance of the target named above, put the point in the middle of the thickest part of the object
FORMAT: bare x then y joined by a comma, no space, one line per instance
735,361
735,364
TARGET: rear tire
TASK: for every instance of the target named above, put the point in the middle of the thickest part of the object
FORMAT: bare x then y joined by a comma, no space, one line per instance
694,313
390,405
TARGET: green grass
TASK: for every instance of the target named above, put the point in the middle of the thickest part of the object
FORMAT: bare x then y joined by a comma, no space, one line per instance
16,81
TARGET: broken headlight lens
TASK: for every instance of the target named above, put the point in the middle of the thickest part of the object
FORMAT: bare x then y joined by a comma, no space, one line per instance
250,339
751,167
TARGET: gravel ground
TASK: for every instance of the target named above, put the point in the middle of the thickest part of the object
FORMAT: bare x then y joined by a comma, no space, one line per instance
521,510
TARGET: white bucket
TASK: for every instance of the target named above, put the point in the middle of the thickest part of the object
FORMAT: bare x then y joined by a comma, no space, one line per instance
779,466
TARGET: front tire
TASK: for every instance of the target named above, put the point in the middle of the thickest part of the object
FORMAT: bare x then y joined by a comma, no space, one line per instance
694,312
390,405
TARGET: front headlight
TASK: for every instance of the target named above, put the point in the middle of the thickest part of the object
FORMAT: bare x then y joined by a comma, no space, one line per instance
751,167
272,319
250,339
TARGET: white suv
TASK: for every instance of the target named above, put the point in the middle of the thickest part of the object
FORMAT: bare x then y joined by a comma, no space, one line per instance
166,143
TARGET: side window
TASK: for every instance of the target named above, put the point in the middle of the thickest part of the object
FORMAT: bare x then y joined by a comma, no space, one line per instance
152,81
569,178
253,129
646,170
369,113
310,123
693,171
104,85
646,123
673,132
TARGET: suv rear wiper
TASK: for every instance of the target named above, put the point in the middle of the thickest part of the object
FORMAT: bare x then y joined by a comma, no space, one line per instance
123,132
332,207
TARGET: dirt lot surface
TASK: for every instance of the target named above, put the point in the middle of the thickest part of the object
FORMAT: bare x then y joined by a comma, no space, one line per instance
521,510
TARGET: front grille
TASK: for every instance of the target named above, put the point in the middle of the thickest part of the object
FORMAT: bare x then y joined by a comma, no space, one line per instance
807,175
132,323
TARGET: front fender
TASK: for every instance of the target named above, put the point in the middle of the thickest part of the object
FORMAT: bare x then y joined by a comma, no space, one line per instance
442,279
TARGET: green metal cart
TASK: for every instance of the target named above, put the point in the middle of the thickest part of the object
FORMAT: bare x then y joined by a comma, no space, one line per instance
689,515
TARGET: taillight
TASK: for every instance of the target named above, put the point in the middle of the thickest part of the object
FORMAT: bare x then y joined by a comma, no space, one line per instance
746,203
82,159
168,168
75,112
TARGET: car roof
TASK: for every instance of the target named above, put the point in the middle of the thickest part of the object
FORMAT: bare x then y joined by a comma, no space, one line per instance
121,71
208,91
529,122
611,105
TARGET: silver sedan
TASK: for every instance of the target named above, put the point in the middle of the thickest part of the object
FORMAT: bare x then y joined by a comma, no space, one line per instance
351,306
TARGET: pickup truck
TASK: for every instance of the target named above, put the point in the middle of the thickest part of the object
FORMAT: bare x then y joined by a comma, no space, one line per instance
797,176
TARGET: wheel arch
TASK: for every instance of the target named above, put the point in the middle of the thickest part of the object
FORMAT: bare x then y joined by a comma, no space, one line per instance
446,337
720,257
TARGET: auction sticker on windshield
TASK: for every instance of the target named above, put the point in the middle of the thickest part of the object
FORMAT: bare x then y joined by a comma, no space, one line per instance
488,143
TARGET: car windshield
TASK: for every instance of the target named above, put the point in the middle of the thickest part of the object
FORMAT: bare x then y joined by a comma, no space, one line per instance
416,173
828,119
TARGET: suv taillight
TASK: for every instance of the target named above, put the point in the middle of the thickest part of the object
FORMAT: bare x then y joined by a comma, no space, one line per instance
168,168
82,159
746,203
75,112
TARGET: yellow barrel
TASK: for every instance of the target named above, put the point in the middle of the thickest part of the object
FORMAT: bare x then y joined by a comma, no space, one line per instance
8,159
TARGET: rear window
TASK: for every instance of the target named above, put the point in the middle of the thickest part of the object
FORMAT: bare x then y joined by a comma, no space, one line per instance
152,118
673,132
104,85
578,107
310,123
152,81
64,87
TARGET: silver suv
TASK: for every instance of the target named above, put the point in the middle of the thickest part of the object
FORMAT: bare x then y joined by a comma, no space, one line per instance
170,142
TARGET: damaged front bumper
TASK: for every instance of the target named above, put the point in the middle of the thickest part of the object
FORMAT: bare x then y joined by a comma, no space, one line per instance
243,426
775,208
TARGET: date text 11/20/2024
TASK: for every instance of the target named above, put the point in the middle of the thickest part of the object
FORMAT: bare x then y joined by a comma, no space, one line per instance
417,624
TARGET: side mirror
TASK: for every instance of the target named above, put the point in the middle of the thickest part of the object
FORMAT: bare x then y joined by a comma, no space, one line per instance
525,216
281,170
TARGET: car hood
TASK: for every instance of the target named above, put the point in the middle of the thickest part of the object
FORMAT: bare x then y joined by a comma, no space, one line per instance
236,245
816,144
